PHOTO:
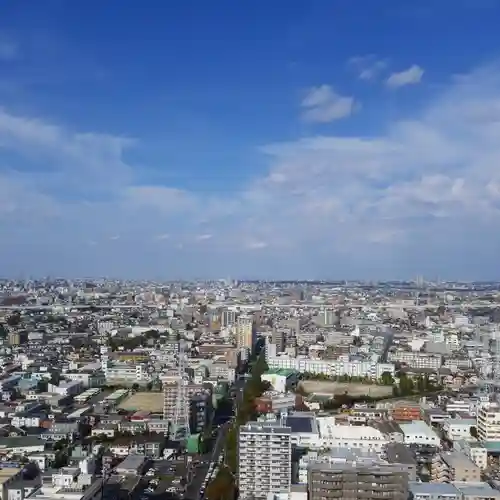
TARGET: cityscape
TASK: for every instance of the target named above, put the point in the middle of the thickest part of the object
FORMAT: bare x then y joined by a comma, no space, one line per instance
261,390
249,250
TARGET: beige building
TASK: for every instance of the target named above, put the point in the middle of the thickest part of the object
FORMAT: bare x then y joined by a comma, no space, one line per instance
488,423
245,331
171,393
454,466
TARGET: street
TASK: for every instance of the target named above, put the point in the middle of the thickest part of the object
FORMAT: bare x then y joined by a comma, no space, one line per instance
206,469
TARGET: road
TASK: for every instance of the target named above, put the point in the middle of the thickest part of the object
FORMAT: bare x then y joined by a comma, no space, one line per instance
203,475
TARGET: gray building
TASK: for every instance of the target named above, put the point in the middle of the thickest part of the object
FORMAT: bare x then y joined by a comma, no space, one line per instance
375,482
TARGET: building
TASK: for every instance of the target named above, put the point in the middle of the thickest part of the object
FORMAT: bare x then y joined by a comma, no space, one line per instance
488,424
418,432
474,450
373,482
433,491
200,408
245,332
458,428
406,411
454,466
281,379
171,393
265,459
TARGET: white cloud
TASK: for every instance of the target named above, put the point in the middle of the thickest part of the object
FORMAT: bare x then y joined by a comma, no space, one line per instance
420,197
256,245
368,67
162,237
410,76
322,105
204,237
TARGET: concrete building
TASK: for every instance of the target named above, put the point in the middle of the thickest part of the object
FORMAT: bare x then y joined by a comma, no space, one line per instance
265,459
170,394
454,466
245,332
488,423
418,432
331,481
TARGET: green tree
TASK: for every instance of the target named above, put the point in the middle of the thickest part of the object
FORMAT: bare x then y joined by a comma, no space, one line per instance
387,378
222,487
473,432
14,319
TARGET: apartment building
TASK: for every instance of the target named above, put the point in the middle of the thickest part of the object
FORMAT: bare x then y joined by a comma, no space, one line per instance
245,331
171,394
488,423
373,482
265,459
454,466
331,368
416,359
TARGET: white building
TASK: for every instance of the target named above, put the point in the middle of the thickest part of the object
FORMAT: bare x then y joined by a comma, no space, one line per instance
418,432
458,428
265,460
488,423
331,368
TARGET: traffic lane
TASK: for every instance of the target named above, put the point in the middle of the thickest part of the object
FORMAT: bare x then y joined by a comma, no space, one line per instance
201,476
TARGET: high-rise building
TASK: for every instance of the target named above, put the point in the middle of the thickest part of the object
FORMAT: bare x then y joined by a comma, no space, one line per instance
228,318
245,332
171,394
265,459
372,482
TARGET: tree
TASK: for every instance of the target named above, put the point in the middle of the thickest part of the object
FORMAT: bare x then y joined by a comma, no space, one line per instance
387,378
14,319
60,445
55,378
222,487
473,432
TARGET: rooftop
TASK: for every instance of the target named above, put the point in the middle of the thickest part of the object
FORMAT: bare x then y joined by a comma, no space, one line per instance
418,427
7,474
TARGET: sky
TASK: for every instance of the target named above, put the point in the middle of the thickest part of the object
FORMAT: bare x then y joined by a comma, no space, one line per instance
318,139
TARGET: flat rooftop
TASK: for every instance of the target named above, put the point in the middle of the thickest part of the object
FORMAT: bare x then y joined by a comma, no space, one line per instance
418,427
300,424
8,473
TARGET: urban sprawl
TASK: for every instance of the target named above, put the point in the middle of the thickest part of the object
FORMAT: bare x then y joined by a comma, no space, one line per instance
258,390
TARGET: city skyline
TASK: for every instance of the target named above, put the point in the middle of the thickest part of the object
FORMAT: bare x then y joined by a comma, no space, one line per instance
297,140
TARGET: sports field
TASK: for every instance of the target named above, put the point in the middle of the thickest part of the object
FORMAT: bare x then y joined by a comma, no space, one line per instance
144,401
326,388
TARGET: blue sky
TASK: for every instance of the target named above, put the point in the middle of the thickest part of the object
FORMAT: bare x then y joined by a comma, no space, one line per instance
283,139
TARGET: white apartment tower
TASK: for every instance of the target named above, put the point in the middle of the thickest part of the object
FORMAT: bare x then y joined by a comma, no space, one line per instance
104,360
265,459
